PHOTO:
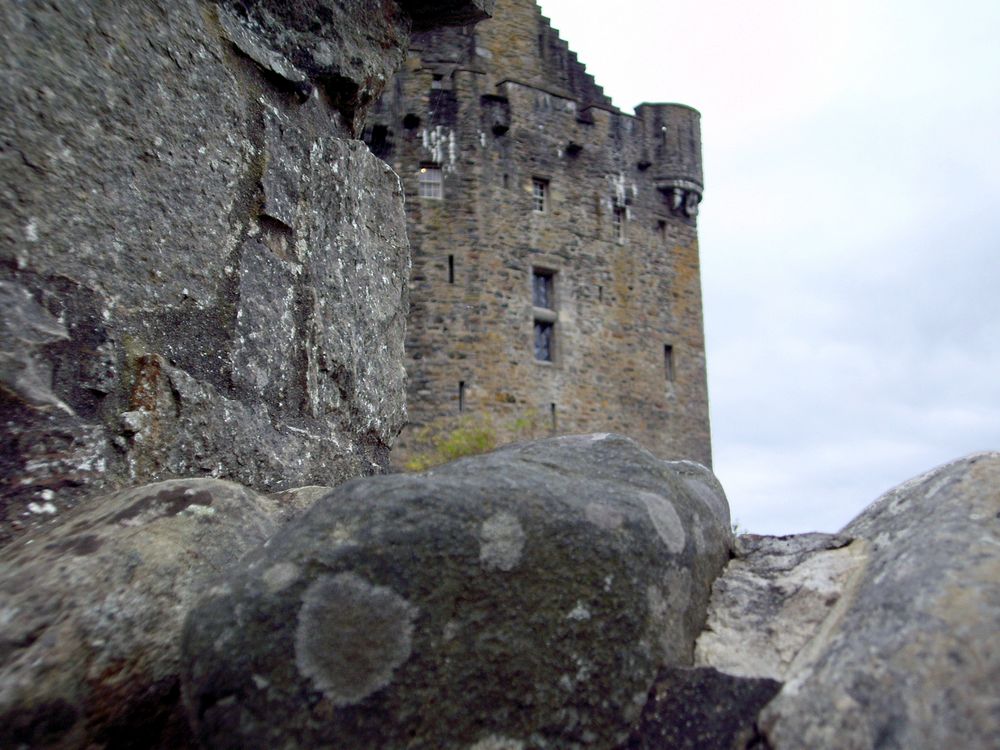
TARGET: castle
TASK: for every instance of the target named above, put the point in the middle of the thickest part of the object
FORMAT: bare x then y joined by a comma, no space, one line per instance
555,268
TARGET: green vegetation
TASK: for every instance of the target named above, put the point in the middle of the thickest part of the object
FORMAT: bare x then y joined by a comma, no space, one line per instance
443,440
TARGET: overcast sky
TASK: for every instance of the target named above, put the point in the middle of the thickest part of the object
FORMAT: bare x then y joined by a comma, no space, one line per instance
850,231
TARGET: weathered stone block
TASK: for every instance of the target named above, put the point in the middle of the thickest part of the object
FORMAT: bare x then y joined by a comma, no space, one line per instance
92,611
525,598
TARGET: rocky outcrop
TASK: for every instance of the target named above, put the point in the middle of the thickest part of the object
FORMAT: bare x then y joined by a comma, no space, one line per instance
773,600
92,611
199,273
884,634
521,599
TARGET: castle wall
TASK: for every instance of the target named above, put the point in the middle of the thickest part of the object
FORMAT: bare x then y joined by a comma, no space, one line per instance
497,108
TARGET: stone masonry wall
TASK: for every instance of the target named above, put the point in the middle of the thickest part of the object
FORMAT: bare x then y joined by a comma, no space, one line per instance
201,273
497,107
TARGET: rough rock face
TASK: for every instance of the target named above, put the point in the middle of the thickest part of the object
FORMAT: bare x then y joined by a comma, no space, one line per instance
884,634
521,599
773,600
92,611
701,709
198,276
913,659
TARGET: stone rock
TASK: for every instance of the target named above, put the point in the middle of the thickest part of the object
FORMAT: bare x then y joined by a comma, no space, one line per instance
773,599
525,598
200,277
701,709
911,660
92,611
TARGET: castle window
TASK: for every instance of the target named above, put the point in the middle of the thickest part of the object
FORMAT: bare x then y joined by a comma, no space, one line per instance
540,195
437,82
543,302
429,182
543,289
618,218
461,396
668,362
451,269
545,334
661,229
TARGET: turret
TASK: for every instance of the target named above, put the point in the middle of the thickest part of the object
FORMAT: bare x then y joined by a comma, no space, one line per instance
673,141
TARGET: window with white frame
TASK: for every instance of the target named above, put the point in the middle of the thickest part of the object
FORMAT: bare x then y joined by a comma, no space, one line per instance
619,216
540,195
429,182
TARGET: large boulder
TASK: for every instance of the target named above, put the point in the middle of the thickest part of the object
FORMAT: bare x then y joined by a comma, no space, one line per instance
92,610
200,275
913,658
884,634
525,598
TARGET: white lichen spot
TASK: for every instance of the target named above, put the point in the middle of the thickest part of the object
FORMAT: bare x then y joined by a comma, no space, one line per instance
608,580
501,541
47,495
351,636
604,516
262,683
31,230
43,508
280,576
665,520
198,511
497,742
579,613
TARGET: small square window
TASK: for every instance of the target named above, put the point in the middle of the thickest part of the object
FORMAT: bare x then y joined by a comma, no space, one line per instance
540,195
429,182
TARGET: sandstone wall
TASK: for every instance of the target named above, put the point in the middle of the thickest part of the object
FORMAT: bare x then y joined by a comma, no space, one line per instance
200,273
498,107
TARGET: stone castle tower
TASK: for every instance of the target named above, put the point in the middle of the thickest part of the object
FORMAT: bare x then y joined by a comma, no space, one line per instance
555,273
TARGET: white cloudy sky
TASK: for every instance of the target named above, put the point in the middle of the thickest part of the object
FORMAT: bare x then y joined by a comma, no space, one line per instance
850,234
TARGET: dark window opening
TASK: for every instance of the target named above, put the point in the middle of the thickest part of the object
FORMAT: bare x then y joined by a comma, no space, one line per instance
437,82
543,300
461,396
661,228
411,121
543,289
668,362
544,340
506,180
600,293
451,269
552,412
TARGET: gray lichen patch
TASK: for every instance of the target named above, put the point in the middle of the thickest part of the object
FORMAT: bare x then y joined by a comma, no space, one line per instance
280,576
604,516
666,521
501,541
351,636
